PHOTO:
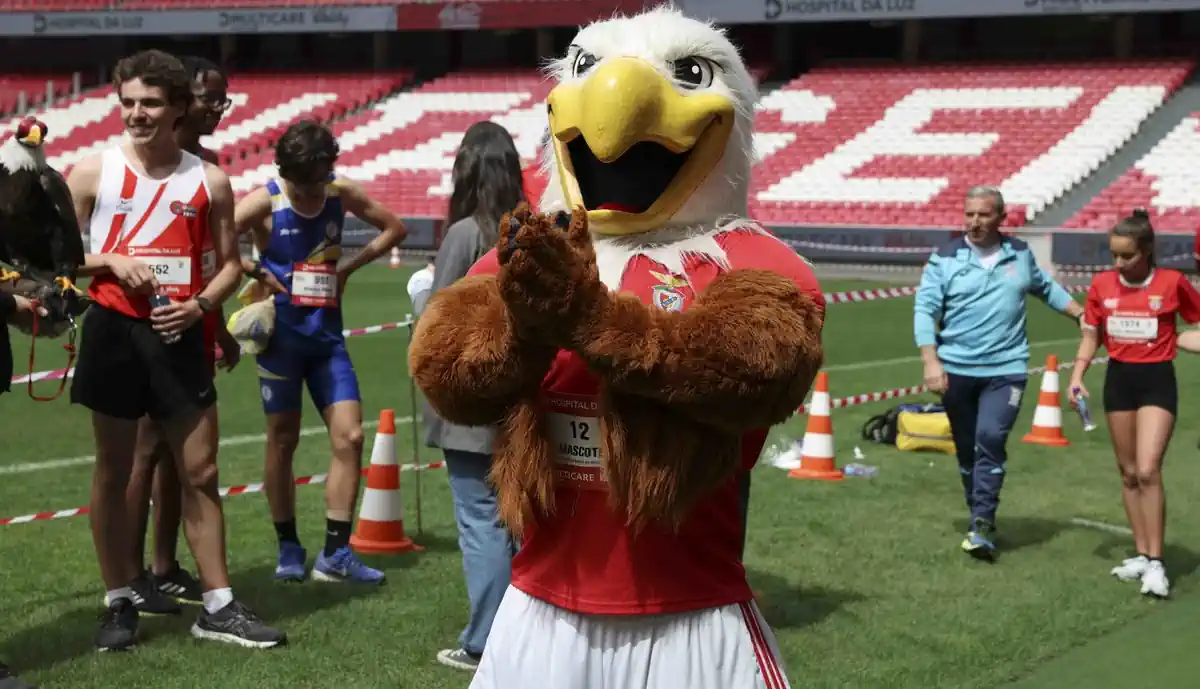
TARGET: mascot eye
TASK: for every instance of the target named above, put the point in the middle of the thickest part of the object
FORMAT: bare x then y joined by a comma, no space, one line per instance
583,62
693,72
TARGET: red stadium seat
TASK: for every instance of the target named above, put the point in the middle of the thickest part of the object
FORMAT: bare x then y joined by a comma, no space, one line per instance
893,146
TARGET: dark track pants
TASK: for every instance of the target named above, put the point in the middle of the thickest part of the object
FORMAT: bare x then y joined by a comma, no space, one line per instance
982,412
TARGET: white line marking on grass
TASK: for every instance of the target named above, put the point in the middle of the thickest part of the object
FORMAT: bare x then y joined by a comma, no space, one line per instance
1101,526
880,363
233,440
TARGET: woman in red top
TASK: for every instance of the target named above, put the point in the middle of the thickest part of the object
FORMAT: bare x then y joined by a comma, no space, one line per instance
1133,311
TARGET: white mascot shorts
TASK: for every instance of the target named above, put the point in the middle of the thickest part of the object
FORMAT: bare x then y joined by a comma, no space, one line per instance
535,645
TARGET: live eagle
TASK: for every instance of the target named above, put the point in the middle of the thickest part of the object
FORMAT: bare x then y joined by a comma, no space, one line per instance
40,241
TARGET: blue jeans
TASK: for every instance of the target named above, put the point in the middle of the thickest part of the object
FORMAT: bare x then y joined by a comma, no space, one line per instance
486,545
982,412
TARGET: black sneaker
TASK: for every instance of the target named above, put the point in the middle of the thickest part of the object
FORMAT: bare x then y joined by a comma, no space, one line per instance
237,624
10,681
118,627
149,601
179,585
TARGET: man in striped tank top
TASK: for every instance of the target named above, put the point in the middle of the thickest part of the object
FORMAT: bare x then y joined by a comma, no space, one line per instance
153,210
160,589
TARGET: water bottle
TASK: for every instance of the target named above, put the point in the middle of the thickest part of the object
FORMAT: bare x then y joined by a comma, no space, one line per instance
163,300
1081,406
862,470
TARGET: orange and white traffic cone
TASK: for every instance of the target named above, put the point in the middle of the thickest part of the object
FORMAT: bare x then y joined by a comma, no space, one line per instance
1047,419
816,451
380,528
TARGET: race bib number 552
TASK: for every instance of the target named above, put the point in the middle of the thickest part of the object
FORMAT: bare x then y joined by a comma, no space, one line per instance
171,269
574,422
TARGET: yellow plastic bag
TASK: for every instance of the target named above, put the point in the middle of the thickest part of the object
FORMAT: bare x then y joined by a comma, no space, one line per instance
924,431
253,325
253,292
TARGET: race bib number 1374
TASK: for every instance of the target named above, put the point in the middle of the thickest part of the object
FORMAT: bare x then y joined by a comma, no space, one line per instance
1138,328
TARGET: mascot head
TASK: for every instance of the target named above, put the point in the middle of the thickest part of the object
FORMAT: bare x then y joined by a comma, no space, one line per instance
650,125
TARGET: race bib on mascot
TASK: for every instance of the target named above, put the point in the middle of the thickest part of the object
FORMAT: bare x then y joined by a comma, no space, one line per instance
574,424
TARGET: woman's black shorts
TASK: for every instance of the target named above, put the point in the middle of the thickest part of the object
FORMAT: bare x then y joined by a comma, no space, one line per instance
1130,386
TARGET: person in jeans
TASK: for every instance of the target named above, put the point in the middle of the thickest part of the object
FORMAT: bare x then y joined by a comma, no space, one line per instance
487,184
969,323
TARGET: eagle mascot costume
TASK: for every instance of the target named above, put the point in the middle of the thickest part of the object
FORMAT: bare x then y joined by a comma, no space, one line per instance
39,234
633,345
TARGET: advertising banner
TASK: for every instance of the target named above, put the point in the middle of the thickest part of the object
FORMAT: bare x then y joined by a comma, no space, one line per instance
328,19
785,11
466,15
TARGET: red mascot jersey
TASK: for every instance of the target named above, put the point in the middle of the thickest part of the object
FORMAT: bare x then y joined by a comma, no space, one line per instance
1138,321
584,559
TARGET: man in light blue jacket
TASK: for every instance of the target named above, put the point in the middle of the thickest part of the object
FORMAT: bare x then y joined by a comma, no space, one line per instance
969,323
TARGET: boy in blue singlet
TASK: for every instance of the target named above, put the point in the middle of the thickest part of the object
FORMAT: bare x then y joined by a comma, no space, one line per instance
296,221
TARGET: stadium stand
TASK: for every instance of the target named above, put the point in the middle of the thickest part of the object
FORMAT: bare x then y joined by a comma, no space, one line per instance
55,5
1166,182
34,87
263,106
900,145
838,146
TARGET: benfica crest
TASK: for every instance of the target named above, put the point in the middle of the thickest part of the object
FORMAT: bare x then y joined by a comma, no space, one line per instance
666,295
1156,302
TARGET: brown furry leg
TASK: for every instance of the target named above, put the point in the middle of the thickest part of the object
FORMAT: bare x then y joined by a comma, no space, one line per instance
466,358
659,476
523,467
744,356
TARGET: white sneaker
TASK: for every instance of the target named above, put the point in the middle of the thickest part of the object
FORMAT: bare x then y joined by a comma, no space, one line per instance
1154,581
1131,568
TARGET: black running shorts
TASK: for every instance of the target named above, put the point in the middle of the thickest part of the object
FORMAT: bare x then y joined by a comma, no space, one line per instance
125,369
1130,386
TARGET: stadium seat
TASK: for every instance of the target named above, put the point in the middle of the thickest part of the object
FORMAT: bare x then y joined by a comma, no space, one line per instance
885,146
1165,181
901,145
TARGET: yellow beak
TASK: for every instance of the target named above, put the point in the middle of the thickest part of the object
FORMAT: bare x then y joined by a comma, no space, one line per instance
34,138
626,101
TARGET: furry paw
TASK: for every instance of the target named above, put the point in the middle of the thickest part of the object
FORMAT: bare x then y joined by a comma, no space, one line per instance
548,274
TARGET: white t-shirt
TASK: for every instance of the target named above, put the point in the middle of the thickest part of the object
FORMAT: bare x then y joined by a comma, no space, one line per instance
988,256
421,281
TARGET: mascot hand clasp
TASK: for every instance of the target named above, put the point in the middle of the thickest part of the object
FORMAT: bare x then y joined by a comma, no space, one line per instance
548,275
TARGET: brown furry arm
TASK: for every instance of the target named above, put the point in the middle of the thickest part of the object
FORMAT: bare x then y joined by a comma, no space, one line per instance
466,358
743,356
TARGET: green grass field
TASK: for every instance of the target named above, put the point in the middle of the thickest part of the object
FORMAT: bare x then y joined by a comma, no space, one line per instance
862,581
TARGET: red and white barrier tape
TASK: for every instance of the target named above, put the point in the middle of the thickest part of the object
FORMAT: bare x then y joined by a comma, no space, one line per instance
839,403
894,393
231,490
58,374
850,297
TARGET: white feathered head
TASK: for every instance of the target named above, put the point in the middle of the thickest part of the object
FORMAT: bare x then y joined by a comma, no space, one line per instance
650,125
